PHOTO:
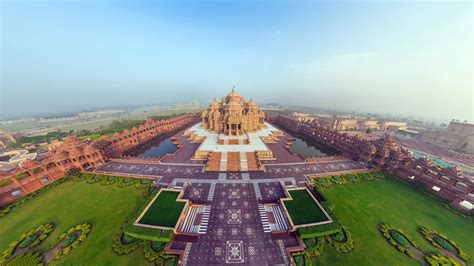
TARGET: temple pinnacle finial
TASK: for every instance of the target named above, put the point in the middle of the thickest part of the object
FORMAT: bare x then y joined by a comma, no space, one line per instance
233,88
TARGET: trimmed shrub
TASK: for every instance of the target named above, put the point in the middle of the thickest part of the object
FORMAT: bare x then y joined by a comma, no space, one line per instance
123,244
348,178
319,230
397,236
28,241
37,170
69,242
149,252
443,242
42,231
398,239
342,241
438,259
21,176
299,260
29,259
4,182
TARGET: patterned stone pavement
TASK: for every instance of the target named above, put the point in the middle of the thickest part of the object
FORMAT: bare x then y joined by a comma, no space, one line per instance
235,232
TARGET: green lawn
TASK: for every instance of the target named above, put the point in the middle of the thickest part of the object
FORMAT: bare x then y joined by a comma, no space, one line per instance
303,209
164,211
72,203
364,205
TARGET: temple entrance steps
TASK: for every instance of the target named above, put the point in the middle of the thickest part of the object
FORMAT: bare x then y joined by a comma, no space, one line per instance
243,161
272,217
197,220
214,162
223,163
252,163
278,222
263,217
233,161
205,220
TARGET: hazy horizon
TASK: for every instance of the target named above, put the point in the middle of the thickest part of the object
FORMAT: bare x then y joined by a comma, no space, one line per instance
411,59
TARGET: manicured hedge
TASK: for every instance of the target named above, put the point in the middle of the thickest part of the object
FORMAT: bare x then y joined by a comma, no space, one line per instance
123,246
342,241
345,179
443,242
388,232
68,245
37,170
318,230
21,176
147,233
27,259
438,259
397,236
121,182
42,231
4,182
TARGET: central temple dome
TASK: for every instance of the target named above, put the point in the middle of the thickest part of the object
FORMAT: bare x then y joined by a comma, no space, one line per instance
233,116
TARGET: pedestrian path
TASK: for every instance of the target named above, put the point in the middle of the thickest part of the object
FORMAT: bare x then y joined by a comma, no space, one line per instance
258,194
210,196
264,218
205,220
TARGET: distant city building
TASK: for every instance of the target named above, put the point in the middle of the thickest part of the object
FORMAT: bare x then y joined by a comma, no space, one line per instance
457,136
344,123
189,105
303,117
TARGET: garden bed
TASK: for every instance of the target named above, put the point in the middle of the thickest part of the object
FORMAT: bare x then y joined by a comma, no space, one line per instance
304,209
163,211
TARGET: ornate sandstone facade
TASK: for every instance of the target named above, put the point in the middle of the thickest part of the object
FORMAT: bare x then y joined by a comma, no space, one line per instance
384,153
457,136
81,155
233,115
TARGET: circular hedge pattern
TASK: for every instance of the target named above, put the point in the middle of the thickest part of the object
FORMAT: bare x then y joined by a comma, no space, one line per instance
398,239
70,239
342,241
40,232
443,242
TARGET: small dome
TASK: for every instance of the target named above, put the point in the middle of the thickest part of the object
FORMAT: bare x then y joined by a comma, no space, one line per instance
214,104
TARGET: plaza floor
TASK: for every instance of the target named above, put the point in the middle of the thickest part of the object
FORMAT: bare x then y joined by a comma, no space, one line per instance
233,223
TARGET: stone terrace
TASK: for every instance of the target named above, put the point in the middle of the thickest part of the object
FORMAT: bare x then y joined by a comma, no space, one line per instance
185,153
282,154
235,232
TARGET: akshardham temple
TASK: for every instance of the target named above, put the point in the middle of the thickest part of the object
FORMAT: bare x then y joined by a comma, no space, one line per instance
233,115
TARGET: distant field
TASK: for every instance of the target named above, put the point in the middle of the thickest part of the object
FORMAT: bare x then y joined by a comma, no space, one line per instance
89,125
303,209
364,205
164,211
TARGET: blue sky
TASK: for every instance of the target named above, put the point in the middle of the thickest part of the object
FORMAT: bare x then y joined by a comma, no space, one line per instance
386,57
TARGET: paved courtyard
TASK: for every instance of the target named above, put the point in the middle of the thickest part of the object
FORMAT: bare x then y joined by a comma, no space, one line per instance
235,218
235,233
